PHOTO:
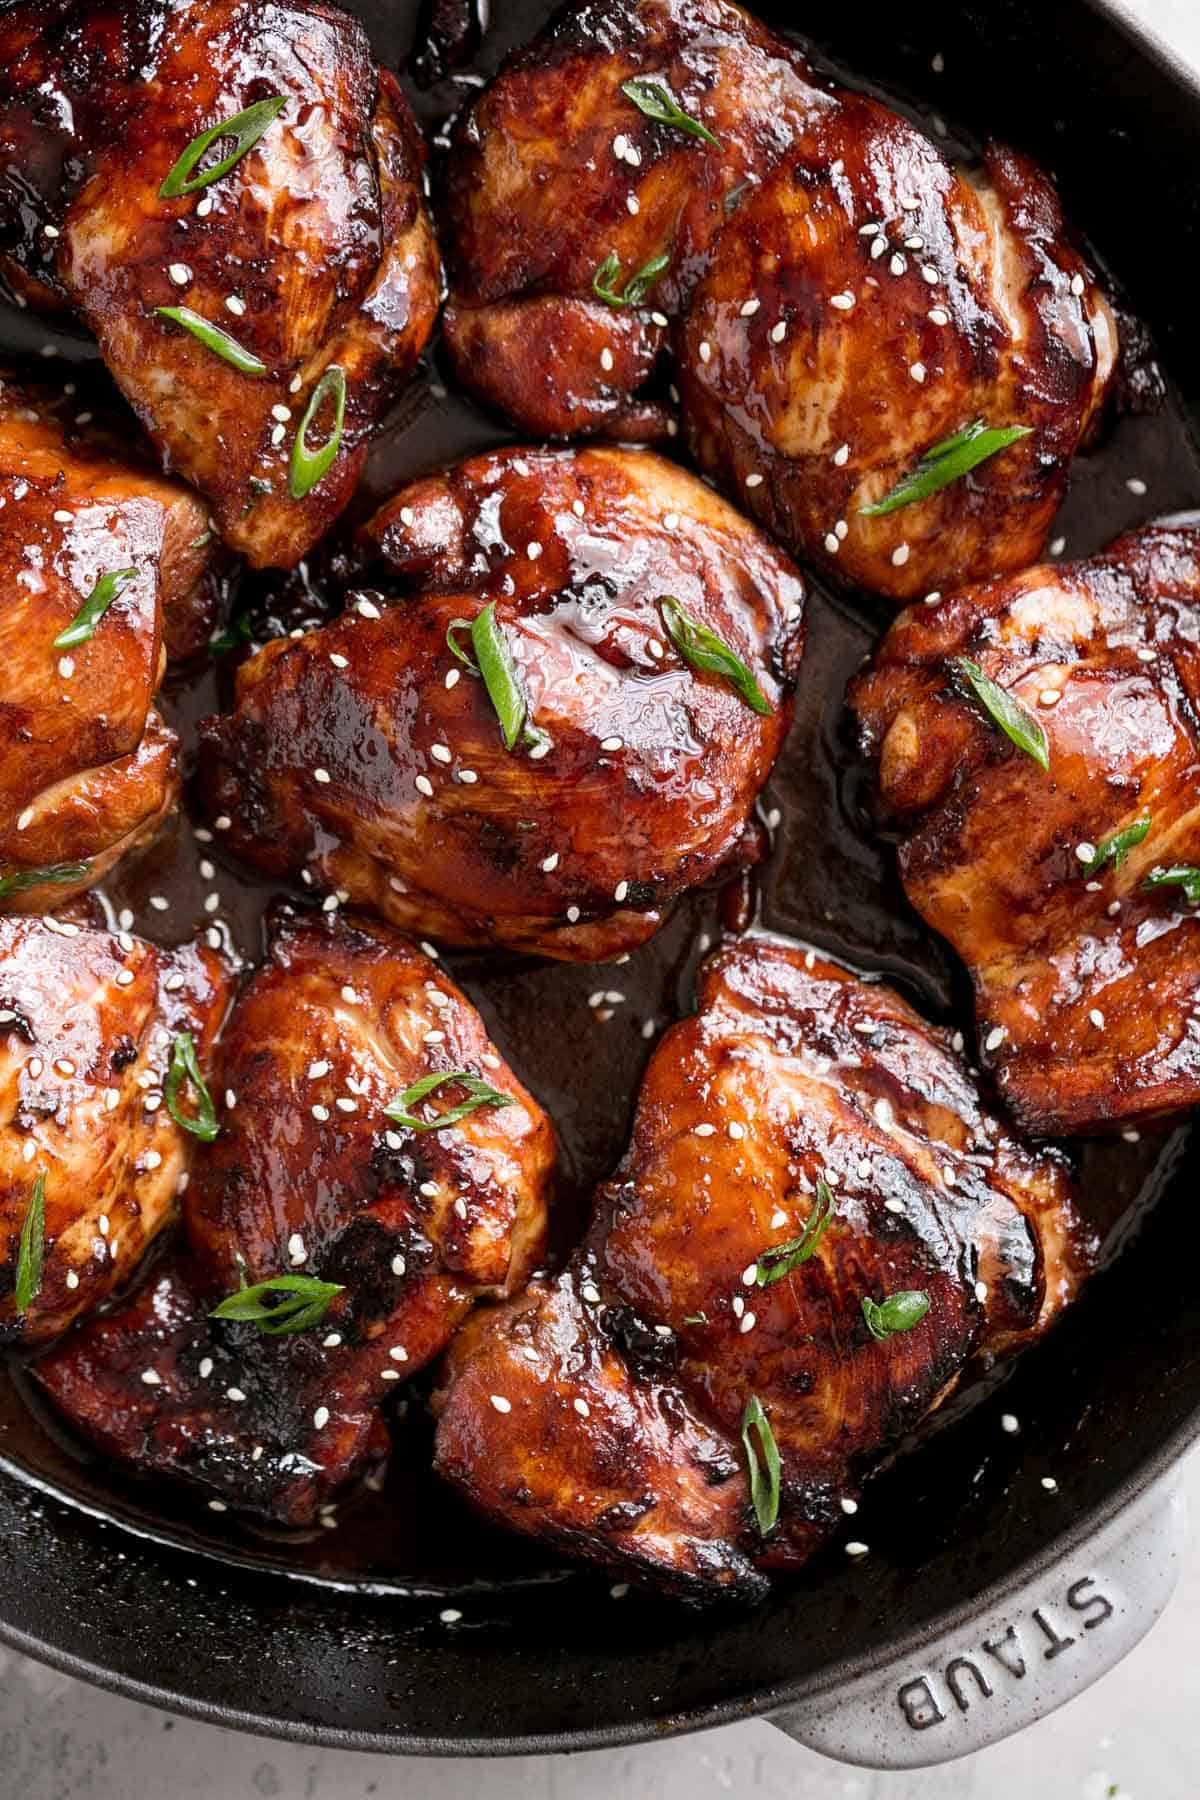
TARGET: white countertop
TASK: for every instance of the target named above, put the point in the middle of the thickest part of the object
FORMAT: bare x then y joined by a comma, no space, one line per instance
1137,1732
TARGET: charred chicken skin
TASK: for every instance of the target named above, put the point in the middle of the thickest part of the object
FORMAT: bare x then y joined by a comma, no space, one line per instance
369,757
312,252
88,1025
309,1176
87,767
1069,891
605,1412
841,300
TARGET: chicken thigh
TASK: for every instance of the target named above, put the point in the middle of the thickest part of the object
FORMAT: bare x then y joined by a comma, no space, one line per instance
816,1226
100,560
1059,852
261,312
396,1228
841,300
632,638
91,1160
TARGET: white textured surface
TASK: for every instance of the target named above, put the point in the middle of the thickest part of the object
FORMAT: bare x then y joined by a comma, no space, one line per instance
1136,1734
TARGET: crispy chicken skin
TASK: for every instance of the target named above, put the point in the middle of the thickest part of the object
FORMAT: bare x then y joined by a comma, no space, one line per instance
87,1027
318,235
841,297
791,1069
87,767
1086,986
365,755
309,1177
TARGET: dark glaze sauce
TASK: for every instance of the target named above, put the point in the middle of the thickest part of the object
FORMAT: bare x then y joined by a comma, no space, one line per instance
827,881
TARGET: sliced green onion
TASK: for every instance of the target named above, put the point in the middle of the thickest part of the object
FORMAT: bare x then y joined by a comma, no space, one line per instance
184,1066
401,1113
53,875
300,1301
493,661
1184,875
238,631
308,466
764,1476
656,101
899,1312
638,285
245,128
1116,847
781,1259
214,339
947,462
703,649
1015,721
32,1248
83,625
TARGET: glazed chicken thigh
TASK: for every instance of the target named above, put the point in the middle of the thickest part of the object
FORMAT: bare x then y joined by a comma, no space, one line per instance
371,755
311,1176
88,1027
306,272
815,1217
841,300
87,766
1068,890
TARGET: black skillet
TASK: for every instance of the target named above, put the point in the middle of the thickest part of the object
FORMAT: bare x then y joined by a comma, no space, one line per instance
342,1640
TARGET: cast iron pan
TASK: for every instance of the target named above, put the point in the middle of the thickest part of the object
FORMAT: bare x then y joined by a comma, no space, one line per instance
340,1640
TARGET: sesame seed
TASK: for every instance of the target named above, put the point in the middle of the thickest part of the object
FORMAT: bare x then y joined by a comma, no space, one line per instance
577,508
424,786
367,609
1049,1483
612,743
450,1615
848,1506
322,776
550,863
320,1114
1097,1018
994,1038
619,146
855,1548
469,776
278,433
500,1403
918,371
739,1306
346,1105
1010,1423
51,231
217,1506
779,331
842,302
929,273
234,1393
878,248
72,1279
282,413
453,677
832,544
841,456
1049,697
441,753
606,359
748,1323
572,915
620,892
399,1265
321,1417
1085,853
180,274
1136,485
631,201
737,1130
398,1353
938,315
1078,284
582,1408
705,350
151,1377
898,264
66,667
705,1130
591,1293
1057,546
206,1367
235,305
981,1291
900,556
295,1248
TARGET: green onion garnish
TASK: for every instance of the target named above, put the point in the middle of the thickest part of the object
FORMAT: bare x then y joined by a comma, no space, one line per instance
302,1301
781,1259
764,1476
899,1312
83,625
1184,875
401,1113
214,339
245,128
656,100
308,466
638,285
947,462
1014,720
703,649
492,659
54,875
32,1249
184,1065
1116,847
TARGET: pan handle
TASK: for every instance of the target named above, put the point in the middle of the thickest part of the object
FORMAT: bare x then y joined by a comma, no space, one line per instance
1020,1655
